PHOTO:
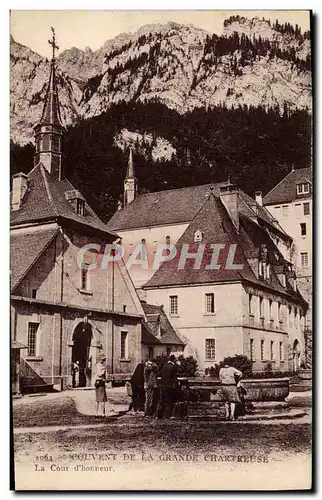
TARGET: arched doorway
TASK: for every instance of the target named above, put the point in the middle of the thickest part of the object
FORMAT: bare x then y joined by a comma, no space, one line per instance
296,355
82,337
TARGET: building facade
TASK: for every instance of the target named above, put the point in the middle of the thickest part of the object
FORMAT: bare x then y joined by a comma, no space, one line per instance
247,303
291,204
66,307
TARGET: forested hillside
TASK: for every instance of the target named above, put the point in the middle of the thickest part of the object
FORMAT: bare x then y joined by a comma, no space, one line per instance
256,146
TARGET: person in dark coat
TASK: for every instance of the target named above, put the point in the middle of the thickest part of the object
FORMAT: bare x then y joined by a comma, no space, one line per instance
137,383
168,388
150,379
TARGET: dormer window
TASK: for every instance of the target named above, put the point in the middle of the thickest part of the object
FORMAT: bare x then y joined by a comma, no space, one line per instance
77,201
198,235
260,268
303,188
80,207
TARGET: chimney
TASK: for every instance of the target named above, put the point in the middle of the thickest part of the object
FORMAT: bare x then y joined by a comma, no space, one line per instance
259,198
229,197
19,187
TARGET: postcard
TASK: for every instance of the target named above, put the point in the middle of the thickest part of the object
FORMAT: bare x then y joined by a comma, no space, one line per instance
161,250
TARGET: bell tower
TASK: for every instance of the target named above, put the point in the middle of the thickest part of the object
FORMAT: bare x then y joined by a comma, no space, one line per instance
49,131
131,182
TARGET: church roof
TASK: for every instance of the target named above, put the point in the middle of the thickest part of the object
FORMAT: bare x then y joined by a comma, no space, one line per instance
215,223
51,111
45,200
154,315
25,250
285,191
175,206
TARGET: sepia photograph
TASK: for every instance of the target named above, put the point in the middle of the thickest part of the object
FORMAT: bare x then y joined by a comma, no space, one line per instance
161,208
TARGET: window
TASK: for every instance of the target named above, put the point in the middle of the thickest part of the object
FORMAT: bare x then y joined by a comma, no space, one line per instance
210,349
260,268
303,229
279,312
124,353
303,188
173,305
84,278
80,207
198,235
261,307
268,271
250,297
34,293
304,259
210,303
285,209
306,208
282,356
124,308
262,350
151,353
270,309
290,315
272,353
168,351
252,349
32,337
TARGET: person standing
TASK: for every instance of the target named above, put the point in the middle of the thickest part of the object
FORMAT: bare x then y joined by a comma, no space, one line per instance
75,374
168,388
137,383
100,385
150,385
229,377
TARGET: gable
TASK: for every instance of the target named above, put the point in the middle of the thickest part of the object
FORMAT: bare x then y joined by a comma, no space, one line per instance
25,250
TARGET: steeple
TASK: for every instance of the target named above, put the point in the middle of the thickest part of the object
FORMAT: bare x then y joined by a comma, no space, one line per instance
49,131
130,183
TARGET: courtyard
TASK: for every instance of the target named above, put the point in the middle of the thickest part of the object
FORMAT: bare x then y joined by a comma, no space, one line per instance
51,437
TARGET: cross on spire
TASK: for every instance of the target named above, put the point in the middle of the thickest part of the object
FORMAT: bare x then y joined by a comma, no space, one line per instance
52,42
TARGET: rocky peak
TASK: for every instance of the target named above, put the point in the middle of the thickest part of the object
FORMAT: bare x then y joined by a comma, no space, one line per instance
254,62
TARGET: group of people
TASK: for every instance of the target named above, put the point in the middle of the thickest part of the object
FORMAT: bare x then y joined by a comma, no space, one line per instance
154,391
158,393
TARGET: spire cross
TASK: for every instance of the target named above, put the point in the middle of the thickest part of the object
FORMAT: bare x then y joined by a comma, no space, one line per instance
52,42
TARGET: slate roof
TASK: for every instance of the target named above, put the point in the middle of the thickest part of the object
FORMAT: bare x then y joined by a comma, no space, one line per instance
51,110
214,221
285,191
25,250
168,334
45,200
176,206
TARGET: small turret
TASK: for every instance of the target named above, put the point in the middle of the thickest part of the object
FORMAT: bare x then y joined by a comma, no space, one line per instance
49,131
130,183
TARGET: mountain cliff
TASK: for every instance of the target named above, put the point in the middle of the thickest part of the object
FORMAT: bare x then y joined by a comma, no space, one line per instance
253,62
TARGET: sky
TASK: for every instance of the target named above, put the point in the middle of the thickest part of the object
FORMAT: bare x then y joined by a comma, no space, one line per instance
91,28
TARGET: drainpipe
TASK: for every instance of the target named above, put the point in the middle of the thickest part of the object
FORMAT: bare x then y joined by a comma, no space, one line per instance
112,346
118,240
61,314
